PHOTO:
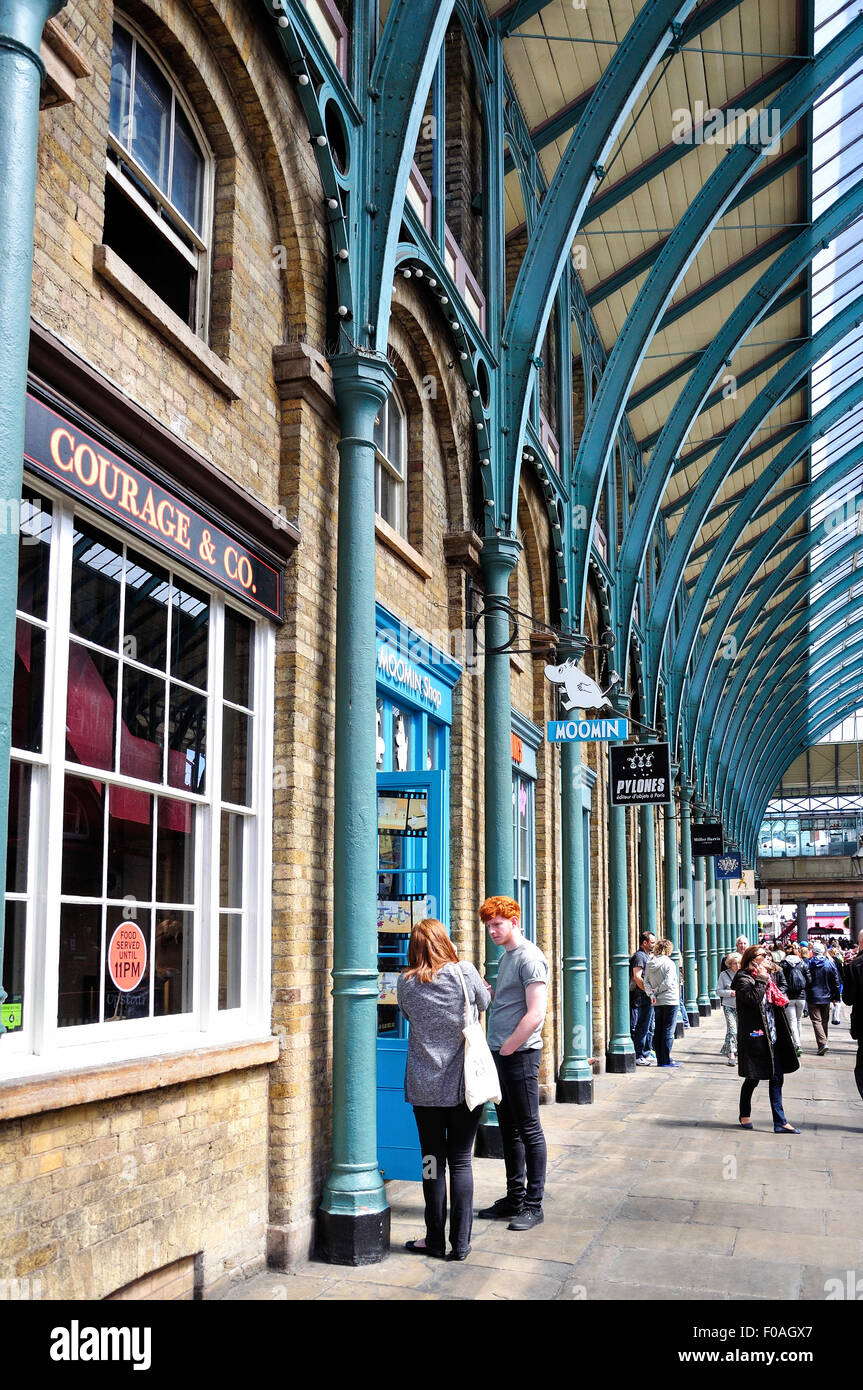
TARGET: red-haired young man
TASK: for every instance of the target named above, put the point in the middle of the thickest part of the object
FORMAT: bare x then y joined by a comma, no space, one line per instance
515,1039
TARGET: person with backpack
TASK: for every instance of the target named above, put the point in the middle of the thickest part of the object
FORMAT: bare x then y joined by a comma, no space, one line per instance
822,987
795,981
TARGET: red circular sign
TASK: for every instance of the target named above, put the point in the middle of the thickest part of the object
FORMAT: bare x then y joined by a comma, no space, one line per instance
127,956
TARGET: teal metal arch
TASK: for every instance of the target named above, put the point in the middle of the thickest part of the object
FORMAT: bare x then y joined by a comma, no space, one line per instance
800,734
812,730
723,547
752,308
579,171
754,744
708,701
711,482
761,695
675,258
773,634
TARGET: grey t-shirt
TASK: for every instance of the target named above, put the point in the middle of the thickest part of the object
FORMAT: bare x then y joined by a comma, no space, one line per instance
523,966
435,1011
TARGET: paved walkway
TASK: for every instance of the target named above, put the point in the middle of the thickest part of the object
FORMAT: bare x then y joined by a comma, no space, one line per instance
653,1192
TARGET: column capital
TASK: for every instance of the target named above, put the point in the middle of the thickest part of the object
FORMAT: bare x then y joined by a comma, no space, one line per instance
685,791
21,25
499,552
621,701
368,372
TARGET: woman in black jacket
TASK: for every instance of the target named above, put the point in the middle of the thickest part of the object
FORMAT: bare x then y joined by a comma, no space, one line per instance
765,1048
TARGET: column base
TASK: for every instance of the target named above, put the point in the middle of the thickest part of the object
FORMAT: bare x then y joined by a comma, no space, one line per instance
694,1018
705,1010
679,1031
575,1092
489,1143
714,1001
620,1062
361,1239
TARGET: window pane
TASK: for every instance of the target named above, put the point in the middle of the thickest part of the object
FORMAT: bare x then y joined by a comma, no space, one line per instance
83,838
230,959
187,177
380,745
130,845
190,624
34,548
121,67
391,497
236,769
127,964
145,624
380,434
29,689
175,858
395,446
96,569
238,664
142,731
173,963
91,701
231,861
80,943
19,828
151,128
187,739
13,965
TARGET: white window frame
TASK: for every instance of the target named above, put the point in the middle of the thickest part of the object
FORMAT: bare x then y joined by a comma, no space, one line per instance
385,466
199,257
42,1046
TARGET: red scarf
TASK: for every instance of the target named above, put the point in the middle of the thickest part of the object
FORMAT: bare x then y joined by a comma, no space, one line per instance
775,995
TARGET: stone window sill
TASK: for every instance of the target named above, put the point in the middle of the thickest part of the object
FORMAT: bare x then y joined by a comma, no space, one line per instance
32,1095
399,546
148,304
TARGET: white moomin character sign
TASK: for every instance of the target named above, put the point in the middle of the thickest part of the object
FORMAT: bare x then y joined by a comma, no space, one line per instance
581,691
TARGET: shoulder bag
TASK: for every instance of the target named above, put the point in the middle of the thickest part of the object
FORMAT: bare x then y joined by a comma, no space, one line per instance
481,1082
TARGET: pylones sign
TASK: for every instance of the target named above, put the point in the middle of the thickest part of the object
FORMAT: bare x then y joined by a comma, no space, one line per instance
640,774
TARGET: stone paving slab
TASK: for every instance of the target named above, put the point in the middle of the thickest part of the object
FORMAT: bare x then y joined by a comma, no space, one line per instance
654,1193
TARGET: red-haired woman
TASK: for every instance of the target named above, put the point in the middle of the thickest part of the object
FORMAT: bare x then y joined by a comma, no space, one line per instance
765,1047
432,998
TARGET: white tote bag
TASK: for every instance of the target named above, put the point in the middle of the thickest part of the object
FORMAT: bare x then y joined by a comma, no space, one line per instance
481,1082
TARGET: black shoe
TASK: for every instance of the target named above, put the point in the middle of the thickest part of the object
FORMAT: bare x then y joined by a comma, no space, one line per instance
504,1209
530,1217
415,1249
459,1254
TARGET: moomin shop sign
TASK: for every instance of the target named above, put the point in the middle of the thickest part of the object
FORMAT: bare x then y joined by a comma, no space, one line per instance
127,957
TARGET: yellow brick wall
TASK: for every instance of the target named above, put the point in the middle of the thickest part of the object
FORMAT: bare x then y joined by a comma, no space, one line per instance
95,1196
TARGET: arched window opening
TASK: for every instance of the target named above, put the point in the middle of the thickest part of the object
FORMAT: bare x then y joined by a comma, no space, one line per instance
391,465
158,186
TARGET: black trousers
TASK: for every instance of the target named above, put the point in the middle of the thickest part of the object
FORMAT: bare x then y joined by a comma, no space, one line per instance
524,1149
447,1134
858,1070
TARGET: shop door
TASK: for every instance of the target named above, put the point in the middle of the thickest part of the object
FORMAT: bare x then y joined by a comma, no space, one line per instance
411,861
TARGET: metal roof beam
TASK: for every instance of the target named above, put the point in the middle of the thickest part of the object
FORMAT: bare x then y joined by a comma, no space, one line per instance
726,277
740,379
771,442
777,170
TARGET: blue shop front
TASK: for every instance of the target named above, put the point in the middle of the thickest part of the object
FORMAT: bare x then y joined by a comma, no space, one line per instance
415,682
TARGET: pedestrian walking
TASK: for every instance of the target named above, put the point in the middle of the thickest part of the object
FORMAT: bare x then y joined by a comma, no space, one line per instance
838,960
663,981
853,995
822,988
765,1047
727,998
432,999
795,989
641,1021
515,1039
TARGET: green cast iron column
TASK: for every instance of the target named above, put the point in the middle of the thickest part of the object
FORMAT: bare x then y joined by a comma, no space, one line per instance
499,557
354,1219
620,1054
700,915
726,923
647,869
575,1077
803,924
21,73
686,887
712,931
672,892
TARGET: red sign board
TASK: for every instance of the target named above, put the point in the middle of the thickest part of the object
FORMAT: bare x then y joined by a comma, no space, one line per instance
127,957
62,452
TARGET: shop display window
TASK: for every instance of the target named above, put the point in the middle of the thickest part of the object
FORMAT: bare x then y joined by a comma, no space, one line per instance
137,853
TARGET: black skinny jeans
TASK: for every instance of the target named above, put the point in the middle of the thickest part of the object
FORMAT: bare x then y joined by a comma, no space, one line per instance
520,1130
447,1134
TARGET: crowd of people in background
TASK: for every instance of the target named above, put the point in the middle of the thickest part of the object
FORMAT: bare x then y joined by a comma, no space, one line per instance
766,991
